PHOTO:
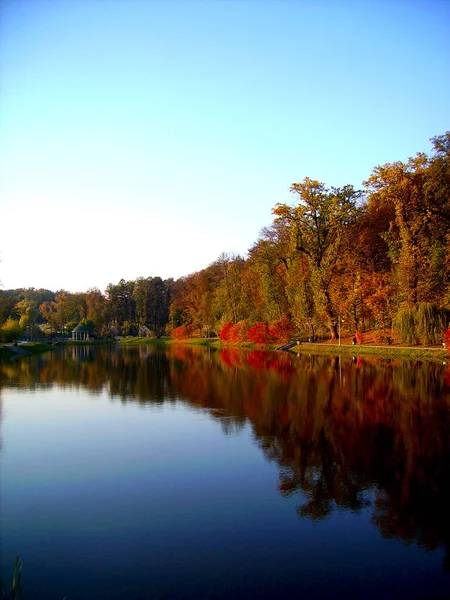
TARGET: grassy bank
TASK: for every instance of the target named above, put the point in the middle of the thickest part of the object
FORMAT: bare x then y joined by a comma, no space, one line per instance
396,351
5,352
36,347
410,353
9,351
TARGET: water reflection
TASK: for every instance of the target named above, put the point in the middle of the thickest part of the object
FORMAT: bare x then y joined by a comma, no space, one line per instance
346,434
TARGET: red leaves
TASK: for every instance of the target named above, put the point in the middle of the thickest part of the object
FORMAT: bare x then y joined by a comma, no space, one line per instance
447,339
259,333
225,332
280,331
181,333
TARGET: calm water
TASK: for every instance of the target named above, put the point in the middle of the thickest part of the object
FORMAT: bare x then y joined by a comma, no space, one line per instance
191,473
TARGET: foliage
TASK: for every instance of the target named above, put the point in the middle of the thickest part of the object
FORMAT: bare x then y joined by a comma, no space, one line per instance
10,331
422,324
447,339
259,333
225,332
280,331
404,325
431,321
320,225
373,259
180,333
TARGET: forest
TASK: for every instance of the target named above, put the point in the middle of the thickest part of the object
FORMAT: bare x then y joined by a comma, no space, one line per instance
373,259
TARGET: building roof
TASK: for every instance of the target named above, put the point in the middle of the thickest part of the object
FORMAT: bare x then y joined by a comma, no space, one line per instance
81,329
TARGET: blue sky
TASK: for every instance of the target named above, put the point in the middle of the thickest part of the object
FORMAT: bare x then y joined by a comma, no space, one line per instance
144,138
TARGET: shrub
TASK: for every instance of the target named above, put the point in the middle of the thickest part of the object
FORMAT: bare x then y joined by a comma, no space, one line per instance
359,337
259,333
180,333
10,331
238,332
280,331
447,339
225,332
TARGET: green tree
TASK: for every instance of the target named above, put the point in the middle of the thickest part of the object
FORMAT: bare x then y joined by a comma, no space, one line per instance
320,225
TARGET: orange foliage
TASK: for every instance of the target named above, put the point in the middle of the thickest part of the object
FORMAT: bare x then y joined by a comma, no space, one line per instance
180,333
238,332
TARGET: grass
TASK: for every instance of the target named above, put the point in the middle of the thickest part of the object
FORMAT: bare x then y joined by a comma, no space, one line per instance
5,352
132,341
36,347
418,353
16,585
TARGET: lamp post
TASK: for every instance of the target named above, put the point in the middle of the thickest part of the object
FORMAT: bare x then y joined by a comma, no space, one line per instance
339,323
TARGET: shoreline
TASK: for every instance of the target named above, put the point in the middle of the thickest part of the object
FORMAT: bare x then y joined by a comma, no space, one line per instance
324,348
320,348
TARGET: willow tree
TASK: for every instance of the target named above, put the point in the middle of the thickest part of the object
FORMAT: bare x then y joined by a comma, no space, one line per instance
320,225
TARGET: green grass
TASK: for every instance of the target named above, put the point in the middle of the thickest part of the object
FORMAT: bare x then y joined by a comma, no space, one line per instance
384,352
5,352
132,341
36,347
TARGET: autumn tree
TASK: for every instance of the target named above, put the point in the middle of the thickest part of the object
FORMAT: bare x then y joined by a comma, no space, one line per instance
320,224
228,293
272,255
418,236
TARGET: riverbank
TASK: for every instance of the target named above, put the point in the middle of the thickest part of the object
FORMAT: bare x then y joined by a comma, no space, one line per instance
10,350
345,349
405,352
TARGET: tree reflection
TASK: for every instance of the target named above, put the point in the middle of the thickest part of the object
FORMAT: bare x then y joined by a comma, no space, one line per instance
346,434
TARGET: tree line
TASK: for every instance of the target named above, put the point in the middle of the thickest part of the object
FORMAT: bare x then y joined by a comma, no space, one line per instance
373,259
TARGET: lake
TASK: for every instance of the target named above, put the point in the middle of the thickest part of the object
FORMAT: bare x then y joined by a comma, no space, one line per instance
183,472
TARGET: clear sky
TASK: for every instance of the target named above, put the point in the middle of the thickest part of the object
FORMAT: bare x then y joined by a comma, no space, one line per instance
144,138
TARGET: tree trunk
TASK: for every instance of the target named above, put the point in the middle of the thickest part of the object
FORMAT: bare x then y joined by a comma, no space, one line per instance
333,330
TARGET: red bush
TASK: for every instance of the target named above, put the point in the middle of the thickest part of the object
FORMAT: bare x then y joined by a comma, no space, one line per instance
447,339
238,332
225,332
359,337
181,332
280,331
259,333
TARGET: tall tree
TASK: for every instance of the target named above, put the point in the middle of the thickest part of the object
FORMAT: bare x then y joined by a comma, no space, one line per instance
320,225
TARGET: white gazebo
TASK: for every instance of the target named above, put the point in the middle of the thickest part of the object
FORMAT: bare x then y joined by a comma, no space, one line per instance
80,333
